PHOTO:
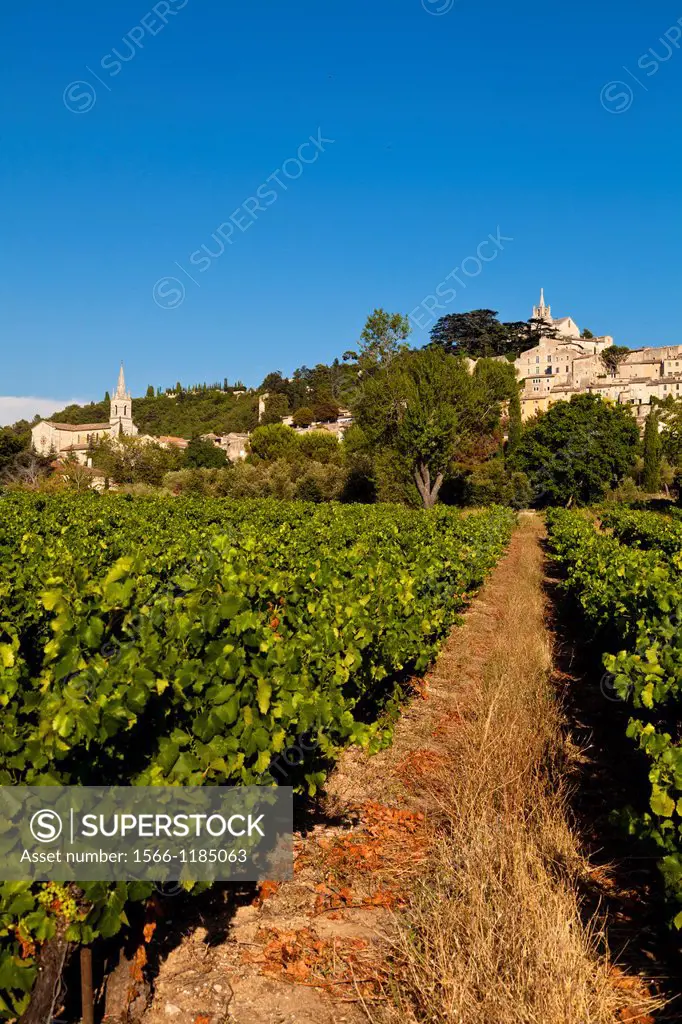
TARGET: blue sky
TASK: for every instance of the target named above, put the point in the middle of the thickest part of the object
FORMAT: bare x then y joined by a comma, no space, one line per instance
450,121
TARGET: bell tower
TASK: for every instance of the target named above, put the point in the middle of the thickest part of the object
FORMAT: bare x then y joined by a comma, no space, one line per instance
121,411
542,312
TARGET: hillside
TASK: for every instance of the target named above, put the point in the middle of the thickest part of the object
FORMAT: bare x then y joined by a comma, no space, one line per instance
187,415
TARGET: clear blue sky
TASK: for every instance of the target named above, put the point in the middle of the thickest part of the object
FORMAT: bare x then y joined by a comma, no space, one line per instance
446,127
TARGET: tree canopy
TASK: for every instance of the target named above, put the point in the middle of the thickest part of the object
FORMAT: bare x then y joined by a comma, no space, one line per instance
273,441
131,460
425,410
670,416
201,454
382,338
479,333
613,356
276,442
10,446
577,449
190,414
276,408
303,417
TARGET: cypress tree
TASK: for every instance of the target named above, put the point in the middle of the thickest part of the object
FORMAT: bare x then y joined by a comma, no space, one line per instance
652,455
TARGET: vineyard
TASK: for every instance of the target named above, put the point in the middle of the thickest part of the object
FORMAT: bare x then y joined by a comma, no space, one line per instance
154,641
625,574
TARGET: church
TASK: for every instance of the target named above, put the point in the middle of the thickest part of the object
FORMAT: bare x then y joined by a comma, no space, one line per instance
64,438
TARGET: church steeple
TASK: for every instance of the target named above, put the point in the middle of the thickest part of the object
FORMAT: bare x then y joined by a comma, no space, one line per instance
121,409
120,391
542,312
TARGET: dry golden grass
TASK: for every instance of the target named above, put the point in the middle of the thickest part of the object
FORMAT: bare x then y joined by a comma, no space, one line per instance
493,933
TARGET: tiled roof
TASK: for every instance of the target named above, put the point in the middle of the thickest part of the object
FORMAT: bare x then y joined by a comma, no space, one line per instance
80,426
179,441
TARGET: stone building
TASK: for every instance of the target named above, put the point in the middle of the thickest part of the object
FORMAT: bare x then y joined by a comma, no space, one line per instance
234,445
565,365
64,438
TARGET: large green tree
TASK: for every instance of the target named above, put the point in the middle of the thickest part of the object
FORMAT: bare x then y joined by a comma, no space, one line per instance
319,446
425,410
613,356
274,383
132,460
476,333
577,449
326,411
382,338
479,333
10,446
201,454
303,417
273,441
670,415
276,408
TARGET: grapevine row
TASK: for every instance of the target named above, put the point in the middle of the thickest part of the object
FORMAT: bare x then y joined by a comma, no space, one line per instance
191,642
632,596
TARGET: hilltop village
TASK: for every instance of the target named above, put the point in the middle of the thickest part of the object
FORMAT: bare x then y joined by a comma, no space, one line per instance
565,363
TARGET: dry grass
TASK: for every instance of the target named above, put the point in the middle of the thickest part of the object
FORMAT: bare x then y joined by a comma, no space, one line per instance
493,934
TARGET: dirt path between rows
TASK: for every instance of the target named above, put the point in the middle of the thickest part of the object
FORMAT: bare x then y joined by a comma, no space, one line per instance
328,946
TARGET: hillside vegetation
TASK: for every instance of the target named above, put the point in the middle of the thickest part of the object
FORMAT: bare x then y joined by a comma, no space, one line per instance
187,415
